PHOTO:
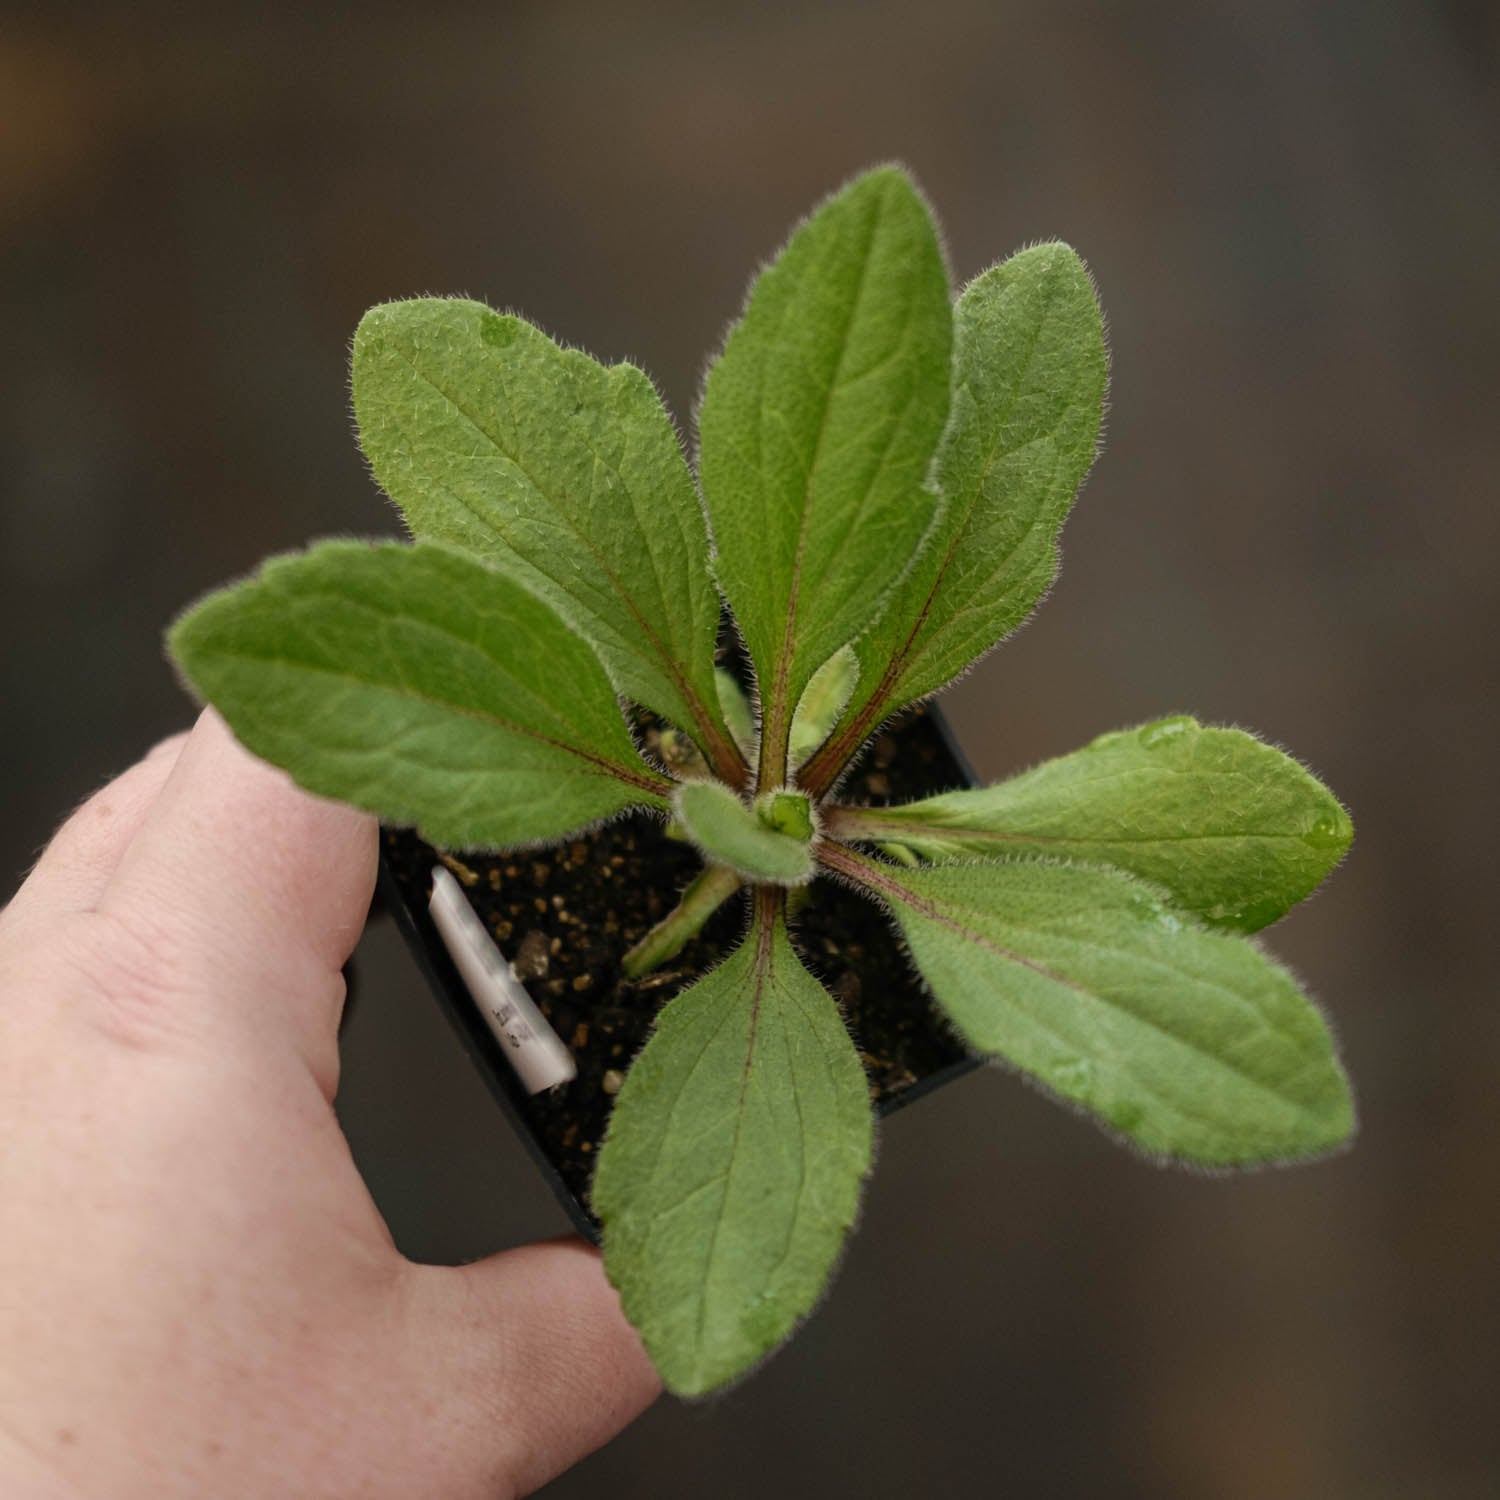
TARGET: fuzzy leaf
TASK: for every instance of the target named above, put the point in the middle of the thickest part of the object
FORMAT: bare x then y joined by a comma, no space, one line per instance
1234,830
733,834
734,705
1029,377
565,474
818,426
1192,1043
823,701
421,685
731,1171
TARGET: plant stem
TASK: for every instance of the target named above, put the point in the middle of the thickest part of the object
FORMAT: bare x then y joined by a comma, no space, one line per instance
770,905
712,887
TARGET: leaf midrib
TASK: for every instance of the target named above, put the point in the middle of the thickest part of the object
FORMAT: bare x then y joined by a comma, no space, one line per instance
763,971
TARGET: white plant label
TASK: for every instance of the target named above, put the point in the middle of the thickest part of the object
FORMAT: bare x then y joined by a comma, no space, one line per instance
535,1050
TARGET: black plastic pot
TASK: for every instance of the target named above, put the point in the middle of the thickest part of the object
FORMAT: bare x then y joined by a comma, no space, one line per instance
564,917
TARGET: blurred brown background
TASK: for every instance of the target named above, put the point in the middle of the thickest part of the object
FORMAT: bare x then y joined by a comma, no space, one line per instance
1293,212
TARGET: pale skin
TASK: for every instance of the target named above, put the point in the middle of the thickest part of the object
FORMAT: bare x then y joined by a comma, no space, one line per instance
197,1294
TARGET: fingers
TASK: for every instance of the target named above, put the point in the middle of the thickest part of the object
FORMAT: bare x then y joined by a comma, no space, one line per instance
77,865
261,885
533,1349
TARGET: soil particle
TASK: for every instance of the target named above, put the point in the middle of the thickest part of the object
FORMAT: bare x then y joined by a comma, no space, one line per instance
466,876
532,957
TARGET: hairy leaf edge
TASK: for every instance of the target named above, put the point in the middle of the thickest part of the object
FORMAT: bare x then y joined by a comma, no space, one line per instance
655,801
753,915
833,777
833,866
716,351
851,837
686,450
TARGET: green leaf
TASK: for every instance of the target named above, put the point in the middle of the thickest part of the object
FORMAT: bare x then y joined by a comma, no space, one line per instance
823,701
734,705
563,473
733,834
421,685
818,426
1236,831
731,1171
1192,1043
1029,377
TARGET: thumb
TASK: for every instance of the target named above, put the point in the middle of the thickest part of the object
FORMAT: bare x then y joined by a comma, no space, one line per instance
535,1358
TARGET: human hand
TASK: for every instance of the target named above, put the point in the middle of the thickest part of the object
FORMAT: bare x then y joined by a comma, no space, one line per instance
197,1294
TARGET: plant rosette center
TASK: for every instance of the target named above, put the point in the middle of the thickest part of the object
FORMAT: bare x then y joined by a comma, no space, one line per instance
884,473
788,812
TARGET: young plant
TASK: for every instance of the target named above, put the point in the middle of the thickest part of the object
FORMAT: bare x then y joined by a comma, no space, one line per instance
883,476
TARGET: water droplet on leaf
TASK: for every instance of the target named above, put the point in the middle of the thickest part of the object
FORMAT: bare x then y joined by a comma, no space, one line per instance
497,330
1073,1078
1153,735
1329,833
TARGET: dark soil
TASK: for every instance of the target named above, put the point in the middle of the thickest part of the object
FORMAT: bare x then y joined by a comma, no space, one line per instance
565,916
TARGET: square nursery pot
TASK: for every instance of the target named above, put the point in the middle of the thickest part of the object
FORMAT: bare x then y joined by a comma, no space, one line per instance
565,916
